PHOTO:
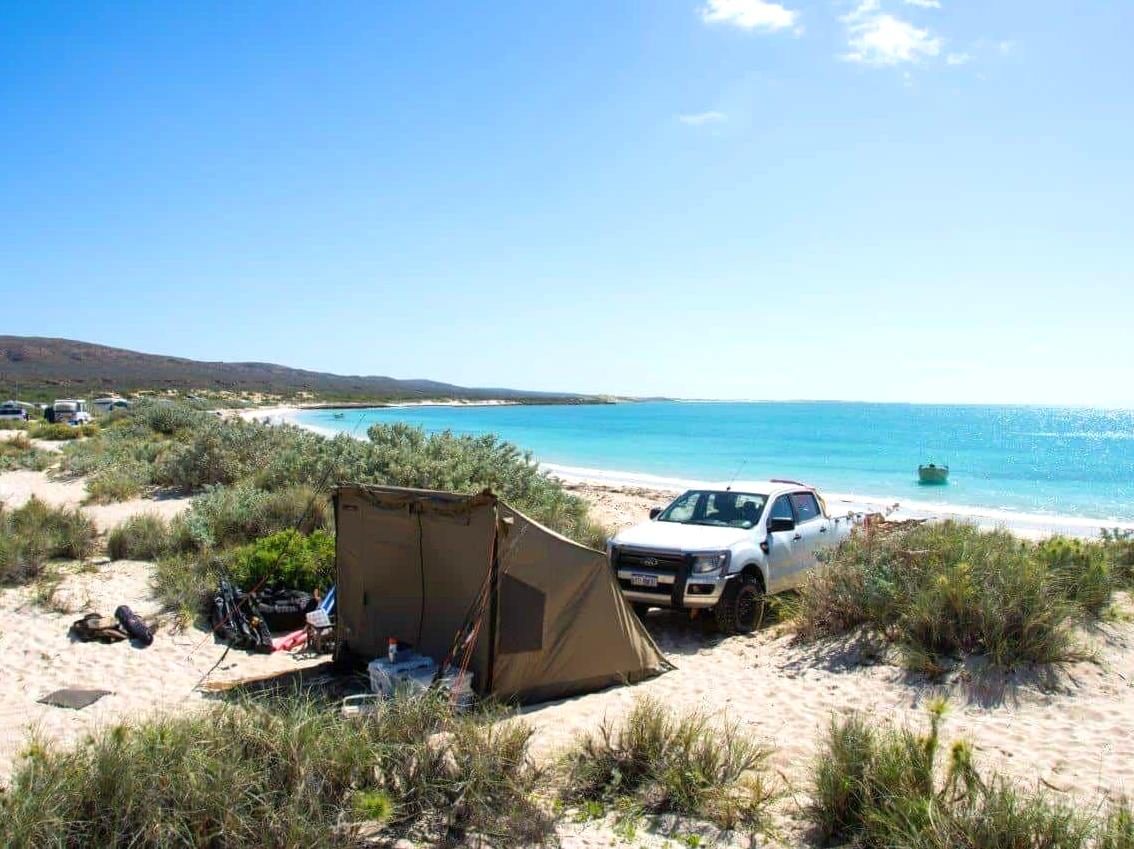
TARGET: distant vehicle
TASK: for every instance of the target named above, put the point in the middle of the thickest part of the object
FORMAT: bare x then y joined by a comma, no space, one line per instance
70,411
13,411
932,474
110,403
724,548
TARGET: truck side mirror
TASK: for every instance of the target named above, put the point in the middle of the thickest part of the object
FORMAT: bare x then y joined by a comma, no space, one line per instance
778,523
655,512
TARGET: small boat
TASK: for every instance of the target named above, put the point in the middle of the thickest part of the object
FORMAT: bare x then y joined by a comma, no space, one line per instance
336,415
933,474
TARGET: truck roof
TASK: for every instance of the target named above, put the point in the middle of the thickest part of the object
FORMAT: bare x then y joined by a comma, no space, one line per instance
759,487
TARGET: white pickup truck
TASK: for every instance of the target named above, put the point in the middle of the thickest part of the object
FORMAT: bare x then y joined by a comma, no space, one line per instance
724,547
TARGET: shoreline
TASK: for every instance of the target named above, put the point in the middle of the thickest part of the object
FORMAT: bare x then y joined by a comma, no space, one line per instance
660,488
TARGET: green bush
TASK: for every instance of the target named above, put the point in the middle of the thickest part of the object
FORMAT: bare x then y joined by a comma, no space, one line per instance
666,763
32,535
879,787
15,424
287,559
122,483
942,591
142,537
226,516
291,774
19,453
181,448
59,431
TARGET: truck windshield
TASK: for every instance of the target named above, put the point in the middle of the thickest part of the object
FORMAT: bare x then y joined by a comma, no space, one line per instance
721,509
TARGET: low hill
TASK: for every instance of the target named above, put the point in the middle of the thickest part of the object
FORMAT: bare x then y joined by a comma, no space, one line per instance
38,368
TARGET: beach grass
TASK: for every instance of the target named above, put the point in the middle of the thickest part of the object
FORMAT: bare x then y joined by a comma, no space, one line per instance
878,786
285,773
36,533
19,453
661,762
945,591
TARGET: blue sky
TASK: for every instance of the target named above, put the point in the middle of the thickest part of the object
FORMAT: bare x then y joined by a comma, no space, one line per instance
870,199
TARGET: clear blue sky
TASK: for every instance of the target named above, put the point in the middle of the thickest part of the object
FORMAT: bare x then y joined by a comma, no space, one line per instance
879,199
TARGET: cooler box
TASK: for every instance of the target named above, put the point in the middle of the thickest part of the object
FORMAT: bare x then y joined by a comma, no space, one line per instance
385,676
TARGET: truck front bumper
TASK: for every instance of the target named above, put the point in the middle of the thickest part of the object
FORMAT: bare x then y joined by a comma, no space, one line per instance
672,590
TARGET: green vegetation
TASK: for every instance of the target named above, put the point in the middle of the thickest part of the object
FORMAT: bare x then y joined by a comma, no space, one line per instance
19,453
943,591
663,763
292,773
879,787
285,559
32,535
58,431
142,537
253,481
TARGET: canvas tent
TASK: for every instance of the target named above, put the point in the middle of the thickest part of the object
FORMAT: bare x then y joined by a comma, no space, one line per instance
542,616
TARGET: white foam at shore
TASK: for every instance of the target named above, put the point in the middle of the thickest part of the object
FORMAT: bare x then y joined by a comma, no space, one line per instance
1025,524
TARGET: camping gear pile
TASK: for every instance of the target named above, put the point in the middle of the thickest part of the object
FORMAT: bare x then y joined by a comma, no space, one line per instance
248,620
478,587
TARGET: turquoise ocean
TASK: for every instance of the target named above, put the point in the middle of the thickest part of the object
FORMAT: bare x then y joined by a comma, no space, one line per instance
1043,460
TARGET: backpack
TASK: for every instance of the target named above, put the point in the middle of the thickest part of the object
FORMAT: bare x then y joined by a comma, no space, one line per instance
285,610
95,626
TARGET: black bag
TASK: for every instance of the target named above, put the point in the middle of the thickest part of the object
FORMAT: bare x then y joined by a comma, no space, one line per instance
285,610
236,619
133,625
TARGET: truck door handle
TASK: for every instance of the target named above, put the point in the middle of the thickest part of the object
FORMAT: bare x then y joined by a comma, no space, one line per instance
798,536
822,530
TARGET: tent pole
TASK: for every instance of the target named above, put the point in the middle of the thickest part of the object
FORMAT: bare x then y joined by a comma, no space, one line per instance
493,593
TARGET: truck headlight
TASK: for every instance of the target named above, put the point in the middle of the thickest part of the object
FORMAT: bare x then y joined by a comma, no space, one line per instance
705,564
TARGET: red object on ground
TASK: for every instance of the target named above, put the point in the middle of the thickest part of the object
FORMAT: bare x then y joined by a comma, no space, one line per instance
289,642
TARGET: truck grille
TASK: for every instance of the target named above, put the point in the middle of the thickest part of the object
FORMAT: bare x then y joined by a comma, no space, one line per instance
649,561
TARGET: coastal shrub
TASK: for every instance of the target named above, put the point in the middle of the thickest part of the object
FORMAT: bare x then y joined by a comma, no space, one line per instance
224,516
36,533
59,431
877,787
290,773
177,447
943,591
287,559
685,764
142,537
118,483
19,453
15,424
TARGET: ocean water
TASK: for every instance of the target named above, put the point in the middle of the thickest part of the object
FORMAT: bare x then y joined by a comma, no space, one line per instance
1055,461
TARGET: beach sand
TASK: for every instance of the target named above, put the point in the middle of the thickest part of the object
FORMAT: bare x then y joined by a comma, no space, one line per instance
1073,734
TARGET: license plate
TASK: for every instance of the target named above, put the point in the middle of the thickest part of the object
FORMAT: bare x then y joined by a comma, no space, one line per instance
643,580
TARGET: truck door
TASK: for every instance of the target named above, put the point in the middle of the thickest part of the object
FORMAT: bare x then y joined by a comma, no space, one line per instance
813,532
782,556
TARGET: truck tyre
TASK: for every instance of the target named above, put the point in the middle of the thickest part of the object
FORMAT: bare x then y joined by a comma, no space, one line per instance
741,608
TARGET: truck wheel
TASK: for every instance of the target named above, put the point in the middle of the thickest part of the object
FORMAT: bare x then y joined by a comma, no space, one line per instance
640,610
741,608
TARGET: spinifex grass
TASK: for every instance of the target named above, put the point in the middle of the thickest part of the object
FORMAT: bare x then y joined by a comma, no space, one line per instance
944,591
662,762
294,773
882,787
